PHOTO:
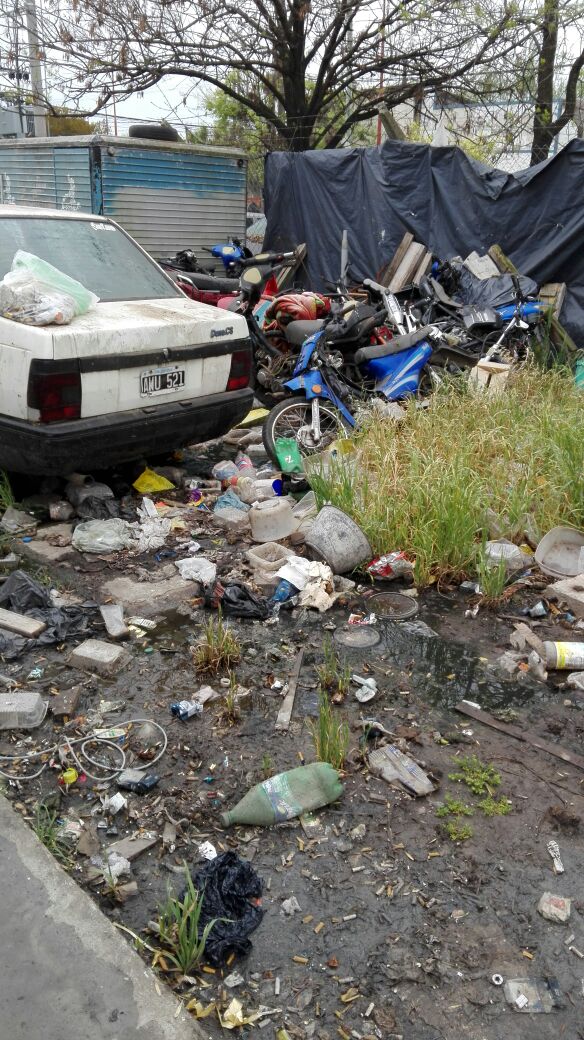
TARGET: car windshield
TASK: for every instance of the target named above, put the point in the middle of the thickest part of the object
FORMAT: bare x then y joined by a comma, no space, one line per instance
97,254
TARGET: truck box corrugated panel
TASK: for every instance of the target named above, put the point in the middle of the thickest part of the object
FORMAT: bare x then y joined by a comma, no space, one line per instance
57,178
171,200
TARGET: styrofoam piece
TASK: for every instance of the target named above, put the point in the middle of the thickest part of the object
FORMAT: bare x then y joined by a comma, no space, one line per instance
269,557
21,709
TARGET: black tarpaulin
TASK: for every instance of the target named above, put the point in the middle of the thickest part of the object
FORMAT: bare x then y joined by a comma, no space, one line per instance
449,202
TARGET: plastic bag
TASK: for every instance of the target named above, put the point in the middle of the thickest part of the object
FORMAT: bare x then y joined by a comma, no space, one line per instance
229,500
150,482
24,595
391,565
232,896
36,293
102,536
236,600
197,569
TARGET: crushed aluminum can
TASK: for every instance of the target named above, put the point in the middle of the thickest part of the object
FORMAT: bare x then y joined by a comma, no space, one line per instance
554,851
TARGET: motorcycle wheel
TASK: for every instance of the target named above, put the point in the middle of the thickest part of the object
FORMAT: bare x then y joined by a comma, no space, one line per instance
292,418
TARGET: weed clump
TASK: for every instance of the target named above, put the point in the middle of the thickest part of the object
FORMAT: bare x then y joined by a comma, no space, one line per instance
178,928
458,831
46,828
453,807
218,650
495,806
330,736
334,678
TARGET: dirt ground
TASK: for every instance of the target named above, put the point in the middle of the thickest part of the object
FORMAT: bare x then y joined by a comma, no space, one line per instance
400,929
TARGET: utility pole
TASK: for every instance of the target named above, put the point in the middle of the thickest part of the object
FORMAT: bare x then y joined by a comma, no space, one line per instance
36,75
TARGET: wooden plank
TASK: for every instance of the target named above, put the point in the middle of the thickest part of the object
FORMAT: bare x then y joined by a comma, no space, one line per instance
285,277
558,335
388,273
423,269
285,712
553,295
406,270
474,712
22,625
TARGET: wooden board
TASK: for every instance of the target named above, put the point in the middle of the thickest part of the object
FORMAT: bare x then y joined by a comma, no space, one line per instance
423,268
408,267
386,276
474,712
285,712
553,295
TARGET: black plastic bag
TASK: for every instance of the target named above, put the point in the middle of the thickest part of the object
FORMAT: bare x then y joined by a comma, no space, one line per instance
232,890
236,600
24,595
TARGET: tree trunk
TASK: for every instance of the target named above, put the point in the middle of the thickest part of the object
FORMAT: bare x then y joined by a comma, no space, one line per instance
543,117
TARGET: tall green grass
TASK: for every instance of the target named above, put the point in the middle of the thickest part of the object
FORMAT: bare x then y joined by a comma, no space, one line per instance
435,484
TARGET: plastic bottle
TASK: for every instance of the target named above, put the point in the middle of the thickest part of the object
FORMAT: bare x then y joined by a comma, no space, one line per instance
186,709
564,656
245,465
287,795
284,590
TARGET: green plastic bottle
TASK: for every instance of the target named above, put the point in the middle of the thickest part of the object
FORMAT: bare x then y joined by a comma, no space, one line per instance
287,795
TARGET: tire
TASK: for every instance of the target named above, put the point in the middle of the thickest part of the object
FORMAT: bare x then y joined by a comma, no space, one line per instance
290,415
154,132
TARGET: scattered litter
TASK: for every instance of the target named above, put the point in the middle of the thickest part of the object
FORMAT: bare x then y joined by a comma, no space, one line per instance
16,521
137,781
391,764
233,980
114,804
393,606
554,908
286,796
564,656
358,637
533,996
237,600
290,907
207,851
554,851
558,552
496,552
497,980
576,680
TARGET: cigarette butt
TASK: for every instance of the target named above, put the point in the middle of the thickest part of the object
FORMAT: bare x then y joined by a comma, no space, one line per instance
343,1033
208,970
380,890
277,987
300,960
409,855
319,928
230,959
526,953
349,917
369,1009
308,919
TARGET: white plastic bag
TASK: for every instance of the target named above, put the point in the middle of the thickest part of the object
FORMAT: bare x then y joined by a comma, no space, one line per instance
103,536
36,293
197,569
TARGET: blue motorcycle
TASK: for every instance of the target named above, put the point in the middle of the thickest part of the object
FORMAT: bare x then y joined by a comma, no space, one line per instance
232,255
330,382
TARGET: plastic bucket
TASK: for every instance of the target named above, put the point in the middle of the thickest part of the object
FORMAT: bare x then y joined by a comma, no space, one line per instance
271,520
337,540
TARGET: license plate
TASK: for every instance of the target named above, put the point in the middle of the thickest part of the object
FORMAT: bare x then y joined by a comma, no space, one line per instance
161,381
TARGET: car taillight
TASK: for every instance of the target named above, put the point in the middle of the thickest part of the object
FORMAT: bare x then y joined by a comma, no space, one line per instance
54,390
240,372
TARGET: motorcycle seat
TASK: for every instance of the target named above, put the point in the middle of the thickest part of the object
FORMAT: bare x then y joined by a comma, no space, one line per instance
211,284
393,346
298,331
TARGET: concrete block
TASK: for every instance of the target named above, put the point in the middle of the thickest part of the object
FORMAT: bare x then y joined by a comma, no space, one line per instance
44,552
569,591
95,655
25,626
148,599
